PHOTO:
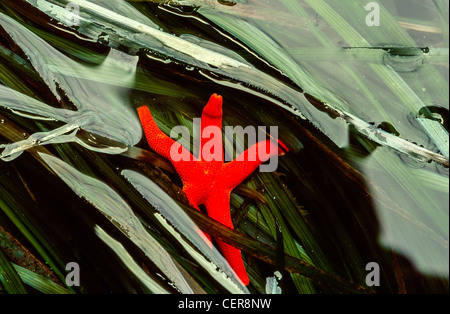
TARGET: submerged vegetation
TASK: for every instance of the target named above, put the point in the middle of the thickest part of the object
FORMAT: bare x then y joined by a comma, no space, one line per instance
362,107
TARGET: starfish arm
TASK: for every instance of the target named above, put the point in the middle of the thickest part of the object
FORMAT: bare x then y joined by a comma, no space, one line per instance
234,172
211,121
218,208
157,139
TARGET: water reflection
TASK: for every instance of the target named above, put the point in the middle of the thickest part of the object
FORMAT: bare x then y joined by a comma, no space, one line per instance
99,94
414,222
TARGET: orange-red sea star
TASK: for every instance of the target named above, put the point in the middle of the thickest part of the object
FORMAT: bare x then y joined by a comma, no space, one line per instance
210,183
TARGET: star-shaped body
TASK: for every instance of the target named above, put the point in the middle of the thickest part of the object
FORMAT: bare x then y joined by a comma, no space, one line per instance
210,182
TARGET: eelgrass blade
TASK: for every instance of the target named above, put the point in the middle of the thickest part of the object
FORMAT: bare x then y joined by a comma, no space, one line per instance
9,278
40,283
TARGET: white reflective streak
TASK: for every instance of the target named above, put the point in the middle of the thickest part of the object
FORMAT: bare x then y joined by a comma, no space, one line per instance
128,261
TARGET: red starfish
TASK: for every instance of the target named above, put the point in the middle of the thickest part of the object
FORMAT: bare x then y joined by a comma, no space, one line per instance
210,182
